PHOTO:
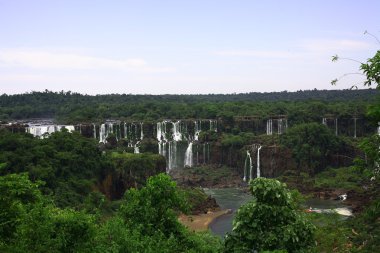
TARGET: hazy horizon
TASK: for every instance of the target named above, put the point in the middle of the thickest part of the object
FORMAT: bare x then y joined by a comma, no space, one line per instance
192,47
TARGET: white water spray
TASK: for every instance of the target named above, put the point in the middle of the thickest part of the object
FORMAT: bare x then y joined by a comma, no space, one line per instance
189,155
258,161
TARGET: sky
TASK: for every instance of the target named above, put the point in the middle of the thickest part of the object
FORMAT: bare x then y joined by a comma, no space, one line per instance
183,46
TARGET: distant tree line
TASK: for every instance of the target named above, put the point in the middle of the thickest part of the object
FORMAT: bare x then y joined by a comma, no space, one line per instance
68,107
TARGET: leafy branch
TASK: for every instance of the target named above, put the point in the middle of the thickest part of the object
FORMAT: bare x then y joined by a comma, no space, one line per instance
370,69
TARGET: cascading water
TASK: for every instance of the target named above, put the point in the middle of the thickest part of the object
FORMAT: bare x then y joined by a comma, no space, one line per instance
324,121
177,135
171,136
94,129
168,151
172,155
355,127
247,166
189,155
41,130
204,153
141,131
208,152
197,129
104,131
336,126
258,162
269,127
213,125
136,148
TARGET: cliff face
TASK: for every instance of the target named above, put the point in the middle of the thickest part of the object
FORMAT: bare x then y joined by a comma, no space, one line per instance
130,170
207,146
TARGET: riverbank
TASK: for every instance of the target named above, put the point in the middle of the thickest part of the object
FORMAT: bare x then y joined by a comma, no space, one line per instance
208,176
201,222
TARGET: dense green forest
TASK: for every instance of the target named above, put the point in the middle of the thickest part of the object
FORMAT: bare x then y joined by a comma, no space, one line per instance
67,107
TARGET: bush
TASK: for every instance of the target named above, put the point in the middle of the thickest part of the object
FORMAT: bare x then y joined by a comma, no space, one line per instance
271,221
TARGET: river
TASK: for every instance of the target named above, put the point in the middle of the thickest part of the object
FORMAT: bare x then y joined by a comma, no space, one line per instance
233,198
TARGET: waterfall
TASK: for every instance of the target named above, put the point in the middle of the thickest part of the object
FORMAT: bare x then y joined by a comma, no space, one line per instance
41,130
197,154
258,161
102,133
136,148
117,132
172,155
248,166
189,155
324,121
170,162
204,153
177,135
142,131
213,125
208,152
336,126
94,131
197,130
282,125
269,127
355,128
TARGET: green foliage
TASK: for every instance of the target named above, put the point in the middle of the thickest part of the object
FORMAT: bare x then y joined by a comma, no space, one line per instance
205,175
358,234
68,163
236,141
17,193
348,178
194,196
367,227
132,170
30,223
150,214
372,70
114,236
271,221
370,146
153,207
311,144
332,233
48,229
76,108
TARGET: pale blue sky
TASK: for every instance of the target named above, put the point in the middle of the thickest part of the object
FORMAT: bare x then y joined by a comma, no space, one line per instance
166,47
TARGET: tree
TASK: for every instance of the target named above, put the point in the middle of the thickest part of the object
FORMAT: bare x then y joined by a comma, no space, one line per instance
270,221
370,68
17,194
153,208
311,144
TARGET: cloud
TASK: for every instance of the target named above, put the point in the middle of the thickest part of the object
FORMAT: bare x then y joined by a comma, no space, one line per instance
256,53
37,59
323,45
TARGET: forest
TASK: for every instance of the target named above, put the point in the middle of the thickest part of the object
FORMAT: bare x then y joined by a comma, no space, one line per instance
68,107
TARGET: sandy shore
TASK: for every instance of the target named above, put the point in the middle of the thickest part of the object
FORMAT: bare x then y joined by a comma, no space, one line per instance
201,222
